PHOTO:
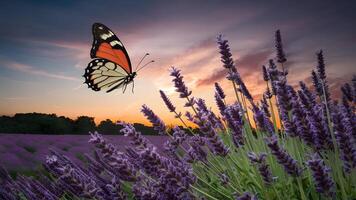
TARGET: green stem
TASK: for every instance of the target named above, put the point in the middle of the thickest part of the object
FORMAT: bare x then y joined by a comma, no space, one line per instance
301,190
204,193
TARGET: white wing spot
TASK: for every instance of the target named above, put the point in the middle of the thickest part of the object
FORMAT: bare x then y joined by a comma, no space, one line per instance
105,36
115,42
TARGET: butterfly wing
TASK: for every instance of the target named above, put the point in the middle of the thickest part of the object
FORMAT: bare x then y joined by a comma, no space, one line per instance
106,45
104,74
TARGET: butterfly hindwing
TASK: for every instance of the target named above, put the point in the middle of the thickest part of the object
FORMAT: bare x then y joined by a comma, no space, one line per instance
108,46
104,74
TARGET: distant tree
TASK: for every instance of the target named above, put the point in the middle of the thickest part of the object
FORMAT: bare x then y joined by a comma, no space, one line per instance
40,123
108,127
84,124
145,130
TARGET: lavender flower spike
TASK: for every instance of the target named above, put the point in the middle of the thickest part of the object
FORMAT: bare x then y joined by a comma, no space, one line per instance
179,83
226,56
321,65
263,168
281,57
157,123
323,181
233,116
283,158
168,102
219,90
265,73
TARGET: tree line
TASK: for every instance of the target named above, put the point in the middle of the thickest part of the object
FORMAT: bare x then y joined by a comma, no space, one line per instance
40,123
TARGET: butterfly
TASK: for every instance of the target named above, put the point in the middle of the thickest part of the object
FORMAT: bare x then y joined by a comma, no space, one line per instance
111,66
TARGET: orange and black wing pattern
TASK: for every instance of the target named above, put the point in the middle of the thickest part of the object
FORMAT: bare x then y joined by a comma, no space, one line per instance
107,45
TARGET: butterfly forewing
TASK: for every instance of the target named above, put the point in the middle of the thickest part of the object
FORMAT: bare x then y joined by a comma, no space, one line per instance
108,46
103,74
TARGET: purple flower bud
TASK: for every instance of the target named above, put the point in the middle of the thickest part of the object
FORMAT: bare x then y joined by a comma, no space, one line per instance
168,102
263,168
317,82
265,73
157,123
281,58
265,106
306,96
233,116
226,56
343,132
179,83
224,179
321,65
135,136
246,196
178,137
196,151
219,91
205,123
203,110
267,94
347,92
283,158
262,121
220,103
323,181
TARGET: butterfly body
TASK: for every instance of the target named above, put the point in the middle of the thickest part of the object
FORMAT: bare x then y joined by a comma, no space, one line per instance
111,67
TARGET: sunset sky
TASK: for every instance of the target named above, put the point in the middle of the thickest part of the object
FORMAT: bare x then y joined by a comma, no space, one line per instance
45,48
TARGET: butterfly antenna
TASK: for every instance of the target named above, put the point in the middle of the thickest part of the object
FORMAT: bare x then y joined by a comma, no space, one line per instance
142,60
145,65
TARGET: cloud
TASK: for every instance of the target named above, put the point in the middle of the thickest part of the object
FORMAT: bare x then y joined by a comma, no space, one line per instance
31,70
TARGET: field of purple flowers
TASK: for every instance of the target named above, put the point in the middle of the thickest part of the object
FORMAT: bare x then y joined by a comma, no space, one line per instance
312,156
26,152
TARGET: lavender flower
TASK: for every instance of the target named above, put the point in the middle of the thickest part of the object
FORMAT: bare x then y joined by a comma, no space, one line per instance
318,126
233,116
179,84
323,181
267,94
343,132
205,124
219,90
347,92
283,158
317,83
265,73
117,163
168,102
74,179
220,103
203,110
264,106
235,76
321,65
281,58
263,168
157,123
246,196
196,150
262,121
306,96
224,179
178,137
136,138
226,56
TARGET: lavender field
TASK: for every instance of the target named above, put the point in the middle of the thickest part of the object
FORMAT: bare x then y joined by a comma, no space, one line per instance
23,152
299,143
